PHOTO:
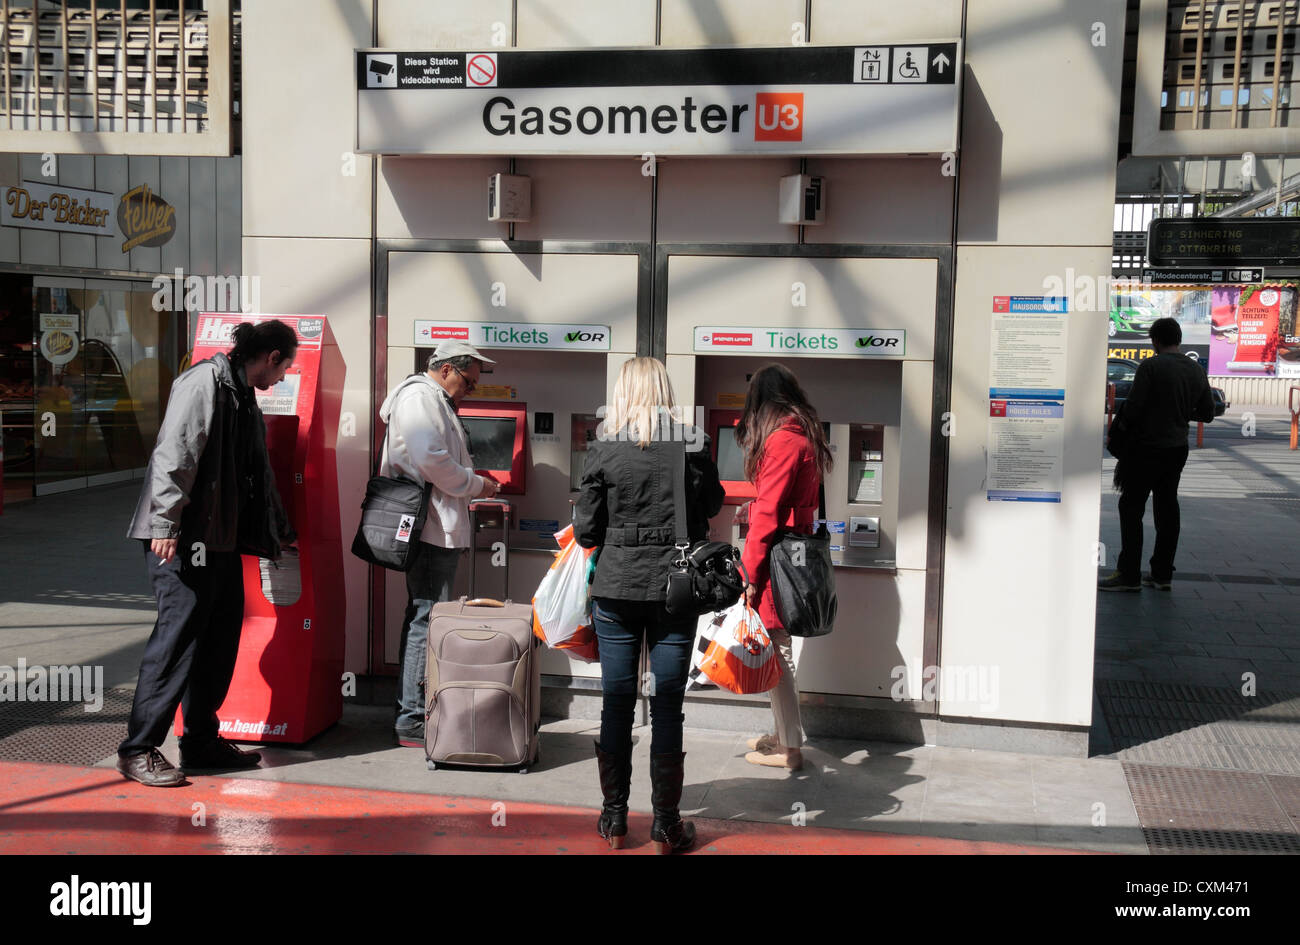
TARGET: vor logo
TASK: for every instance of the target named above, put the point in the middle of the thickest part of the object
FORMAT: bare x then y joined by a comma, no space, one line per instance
573,336
779,116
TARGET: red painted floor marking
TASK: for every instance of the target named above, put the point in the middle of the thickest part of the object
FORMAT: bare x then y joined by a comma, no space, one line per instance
68,809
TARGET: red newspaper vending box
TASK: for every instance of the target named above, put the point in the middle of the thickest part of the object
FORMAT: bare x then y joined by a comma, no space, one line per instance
288,678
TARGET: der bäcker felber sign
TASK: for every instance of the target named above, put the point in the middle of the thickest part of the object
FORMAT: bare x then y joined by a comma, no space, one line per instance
791,100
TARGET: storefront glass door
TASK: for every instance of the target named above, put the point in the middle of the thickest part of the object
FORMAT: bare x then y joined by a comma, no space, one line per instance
104,365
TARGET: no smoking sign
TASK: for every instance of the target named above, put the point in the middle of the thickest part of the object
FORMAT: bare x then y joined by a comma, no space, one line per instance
481,70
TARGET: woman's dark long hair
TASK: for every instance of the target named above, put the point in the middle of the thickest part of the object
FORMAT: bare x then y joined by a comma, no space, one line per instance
774,397
263,338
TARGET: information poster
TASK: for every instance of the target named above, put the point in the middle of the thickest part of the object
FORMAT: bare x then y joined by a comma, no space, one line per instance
1026,445
1027,353
1027,371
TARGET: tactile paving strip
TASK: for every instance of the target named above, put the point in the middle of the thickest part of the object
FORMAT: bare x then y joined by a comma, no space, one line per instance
1202,726
63,732
1187,810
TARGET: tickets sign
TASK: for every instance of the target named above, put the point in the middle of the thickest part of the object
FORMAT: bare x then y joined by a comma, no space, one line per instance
527,335
803,341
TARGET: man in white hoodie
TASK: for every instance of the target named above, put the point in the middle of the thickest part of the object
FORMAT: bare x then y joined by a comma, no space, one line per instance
427,442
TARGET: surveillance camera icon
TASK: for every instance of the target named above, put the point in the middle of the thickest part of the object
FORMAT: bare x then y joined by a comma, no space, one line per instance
381,71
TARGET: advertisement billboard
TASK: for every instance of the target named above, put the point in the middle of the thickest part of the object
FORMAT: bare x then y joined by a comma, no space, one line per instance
1235,330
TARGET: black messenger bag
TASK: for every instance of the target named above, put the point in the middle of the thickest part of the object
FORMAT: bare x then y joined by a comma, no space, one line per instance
803,580
392,515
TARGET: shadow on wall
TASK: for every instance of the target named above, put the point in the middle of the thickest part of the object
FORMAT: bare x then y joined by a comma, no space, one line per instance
981,164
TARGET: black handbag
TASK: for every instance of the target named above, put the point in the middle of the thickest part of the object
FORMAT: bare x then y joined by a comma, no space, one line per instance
803,580
392,515
706,576
1118,435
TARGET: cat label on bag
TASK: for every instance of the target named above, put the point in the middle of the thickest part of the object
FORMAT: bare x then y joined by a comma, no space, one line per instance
404,527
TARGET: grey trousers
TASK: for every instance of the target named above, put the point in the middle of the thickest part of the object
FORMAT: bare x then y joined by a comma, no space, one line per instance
785,697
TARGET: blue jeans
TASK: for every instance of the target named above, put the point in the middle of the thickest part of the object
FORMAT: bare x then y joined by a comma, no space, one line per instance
427,583
621,625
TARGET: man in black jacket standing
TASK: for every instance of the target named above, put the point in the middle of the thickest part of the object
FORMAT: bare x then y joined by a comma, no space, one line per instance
209,495
1169,390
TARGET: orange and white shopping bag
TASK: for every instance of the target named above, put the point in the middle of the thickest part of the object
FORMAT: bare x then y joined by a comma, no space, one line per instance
733,650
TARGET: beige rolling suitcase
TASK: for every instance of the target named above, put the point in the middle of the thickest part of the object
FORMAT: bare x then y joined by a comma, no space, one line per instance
483,685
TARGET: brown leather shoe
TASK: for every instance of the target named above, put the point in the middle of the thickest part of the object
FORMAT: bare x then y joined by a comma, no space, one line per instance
152,769
217,754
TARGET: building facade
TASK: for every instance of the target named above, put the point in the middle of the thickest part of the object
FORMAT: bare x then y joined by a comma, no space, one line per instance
672,254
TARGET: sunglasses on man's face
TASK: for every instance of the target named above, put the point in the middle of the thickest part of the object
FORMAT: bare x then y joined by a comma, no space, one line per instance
470,383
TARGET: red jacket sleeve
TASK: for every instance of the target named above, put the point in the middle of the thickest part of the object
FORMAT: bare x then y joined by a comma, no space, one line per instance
778,469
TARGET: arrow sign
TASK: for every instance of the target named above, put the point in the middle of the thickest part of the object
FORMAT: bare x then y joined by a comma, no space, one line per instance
940,62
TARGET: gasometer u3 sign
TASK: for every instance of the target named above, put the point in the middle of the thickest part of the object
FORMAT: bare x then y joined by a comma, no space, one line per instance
879,99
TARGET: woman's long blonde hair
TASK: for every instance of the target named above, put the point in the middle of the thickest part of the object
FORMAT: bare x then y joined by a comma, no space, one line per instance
643,403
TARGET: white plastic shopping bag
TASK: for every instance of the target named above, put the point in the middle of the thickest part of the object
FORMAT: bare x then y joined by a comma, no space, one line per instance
562,603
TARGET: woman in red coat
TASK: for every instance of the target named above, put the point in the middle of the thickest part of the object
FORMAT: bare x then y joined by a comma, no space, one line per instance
786,458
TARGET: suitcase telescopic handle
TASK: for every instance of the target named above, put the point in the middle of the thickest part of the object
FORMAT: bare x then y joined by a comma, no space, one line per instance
485,602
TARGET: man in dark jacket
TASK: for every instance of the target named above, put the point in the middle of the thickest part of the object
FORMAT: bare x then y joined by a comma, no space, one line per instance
209,495
1169,390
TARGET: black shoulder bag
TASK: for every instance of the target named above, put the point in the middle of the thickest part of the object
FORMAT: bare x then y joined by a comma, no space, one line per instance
392,516
707,576
803,580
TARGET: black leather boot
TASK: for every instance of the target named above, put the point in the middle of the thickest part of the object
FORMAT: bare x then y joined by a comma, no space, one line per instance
615,785
669,832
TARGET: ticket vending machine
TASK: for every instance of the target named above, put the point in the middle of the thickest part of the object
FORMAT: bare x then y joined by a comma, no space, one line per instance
558,326
858,333
861,491
287,685
529,422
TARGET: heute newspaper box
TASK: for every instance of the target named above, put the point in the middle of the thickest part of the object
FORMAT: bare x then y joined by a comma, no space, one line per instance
287,684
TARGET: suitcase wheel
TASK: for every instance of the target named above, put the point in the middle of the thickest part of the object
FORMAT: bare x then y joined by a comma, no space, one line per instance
433,766
524,769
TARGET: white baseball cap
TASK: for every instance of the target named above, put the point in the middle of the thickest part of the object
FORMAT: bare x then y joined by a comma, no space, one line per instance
452,348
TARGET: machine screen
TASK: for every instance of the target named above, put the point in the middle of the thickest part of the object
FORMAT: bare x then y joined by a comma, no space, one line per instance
731,459
491,441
